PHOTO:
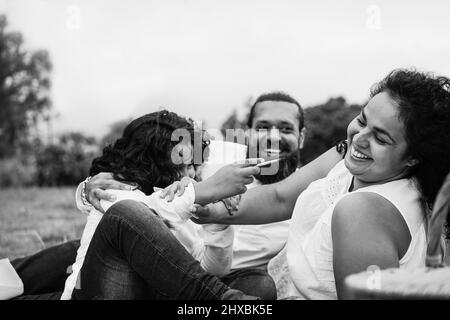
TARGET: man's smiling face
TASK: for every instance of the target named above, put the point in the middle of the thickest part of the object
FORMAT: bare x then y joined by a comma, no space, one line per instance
275,129
275,134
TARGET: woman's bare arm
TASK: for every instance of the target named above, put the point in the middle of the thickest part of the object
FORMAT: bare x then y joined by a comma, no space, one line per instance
367,231
273,202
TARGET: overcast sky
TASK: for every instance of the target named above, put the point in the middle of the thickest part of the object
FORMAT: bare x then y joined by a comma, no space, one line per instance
202,58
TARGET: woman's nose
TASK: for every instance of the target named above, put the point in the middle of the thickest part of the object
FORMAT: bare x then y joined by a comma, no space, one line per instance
360,139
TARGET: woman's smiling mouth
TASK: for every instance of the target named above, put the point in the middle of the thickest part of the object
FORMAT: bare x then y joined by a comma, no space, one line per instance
358,155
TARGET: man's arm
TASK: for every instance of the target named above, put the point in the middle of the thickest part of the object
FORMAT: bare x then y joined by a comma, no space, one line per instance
94,190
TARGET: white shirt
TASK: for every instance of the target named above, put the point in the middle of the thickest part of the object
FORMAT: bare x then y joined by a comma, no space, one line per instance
210,244
10,283
305,267
255,245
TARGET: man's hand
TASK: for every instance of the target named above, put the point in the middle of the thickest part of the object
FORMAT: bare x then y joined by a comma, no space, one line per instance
95,189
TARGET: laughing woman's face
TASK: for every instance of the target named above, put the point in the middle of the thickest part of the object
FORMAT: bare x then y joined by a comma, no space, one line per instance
377,145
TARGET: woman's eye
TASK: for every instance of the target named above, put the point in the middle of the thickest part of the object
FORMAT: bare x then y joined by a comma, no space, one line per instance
380,141
361,121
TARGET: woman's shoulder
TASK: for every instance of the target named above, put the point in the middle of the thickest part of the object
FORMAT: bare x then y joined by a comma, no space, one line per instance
402,194
363,205
371,214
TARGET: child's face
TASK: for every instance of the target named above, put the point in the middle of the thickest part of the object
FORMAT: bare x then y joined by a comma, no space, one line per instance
188,171
191,171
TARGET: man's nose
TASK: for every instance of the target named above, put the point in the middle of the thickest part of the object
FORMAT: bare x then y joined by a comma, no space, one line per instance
274,134
273,138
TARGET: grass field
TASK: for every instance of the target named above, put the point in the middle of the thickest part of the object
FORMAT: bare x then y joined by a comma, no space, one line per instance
34,218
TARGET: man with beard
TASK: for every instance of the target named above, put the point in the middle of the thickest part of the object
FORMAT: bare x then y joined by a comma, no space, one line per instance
276,124
276,131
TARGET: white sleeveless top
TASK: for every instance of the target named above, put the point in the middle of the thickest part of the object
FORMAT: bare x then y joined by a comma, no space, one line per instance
304,268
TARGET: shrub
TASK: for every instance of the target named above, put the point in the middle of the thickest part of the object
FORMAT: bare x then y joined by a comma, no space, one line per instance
15,172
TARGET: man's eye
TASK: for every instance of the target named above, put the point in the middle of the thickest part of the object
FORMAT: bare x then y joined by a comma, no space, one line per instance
286,130
361,121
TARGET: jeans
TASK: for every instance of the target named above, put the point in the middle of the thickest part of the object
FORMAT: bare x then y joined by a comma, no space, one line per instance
44,273
252,281
134,255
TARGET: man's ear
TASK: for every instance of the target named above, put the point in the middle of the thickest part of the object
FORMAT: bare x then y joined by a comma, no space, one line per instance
301,138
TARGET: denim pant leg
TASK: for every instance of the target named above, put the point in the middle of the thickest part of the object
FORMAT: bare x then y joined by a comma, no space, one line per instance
134,255
42,296
252,281
46,271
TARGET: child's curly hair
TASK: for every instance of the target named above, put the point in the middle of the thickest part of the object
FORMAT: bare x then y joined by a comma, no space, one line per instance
143,154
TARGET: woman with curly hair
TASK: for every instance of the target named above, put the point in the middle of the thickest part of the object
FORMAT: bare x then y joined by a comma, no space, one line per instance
361,205
113,261
367,210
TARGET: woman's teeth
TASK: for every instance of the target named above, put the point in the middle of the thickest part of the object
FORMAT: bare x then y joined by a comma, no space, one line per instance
358,155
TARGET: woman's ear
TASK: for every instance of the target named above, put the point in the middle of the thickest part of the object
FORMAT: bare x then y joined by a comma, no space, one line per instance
412,162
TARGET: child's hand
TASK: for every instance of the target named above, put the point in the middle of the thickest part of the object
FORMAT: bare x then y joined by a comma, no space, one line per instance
176,188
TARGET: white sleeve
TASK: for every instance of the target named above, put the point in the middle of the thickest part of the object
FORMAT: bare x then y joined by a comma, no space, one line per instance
218,248
216,240
176,211
135,195
10,283
80,205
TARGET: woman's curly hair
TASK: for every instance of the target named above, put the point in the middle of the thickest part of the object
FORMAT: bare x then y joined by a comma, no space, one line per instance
143,154
423,100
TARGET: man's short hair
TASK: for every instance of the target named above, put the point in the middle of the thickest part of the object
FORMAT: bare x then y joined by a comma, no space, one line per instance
276,96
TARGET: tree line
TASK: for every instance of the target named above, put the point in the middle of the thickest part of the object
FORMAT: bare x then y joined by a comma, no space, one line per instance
28,159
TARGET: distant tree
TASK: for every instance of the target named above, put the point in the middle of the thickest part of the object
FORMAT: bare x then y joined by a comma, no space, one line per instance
24,89
233,121
326,124
66,162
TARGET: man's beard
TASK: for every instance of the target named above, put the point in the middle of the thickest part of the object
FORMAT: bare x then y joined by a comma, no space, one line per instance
286,166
